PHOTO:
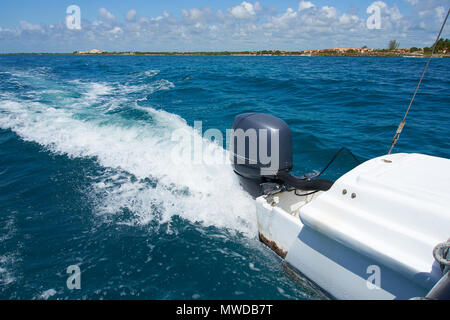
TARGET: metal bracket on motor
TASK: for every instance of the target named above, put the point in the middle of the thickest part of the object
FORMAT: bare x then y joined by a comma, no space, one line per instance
271,188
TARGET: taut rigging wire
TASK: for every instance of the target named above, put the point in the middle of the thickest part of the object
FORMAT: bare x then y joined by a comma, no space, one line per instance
402,124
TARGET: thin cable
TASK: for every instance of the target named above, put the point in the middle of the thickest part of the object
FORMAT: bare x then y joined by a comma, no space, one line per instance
334,158
402,124
324,169
305,194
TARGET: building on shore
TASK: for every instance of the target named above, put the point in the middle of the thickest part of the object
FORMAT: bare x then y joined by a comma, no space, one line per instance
93,51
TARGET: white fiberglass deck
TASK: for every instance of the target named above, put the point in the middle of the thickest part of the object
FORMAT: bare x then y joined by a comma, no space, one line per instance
388,212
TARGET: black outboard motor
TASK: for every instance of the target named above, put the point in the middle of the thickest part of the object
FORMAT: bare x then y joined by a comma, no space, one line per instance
261,152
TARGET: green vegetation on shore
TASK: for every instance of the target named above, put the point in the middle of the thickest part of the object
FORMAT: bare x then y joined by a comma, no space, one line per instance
393,50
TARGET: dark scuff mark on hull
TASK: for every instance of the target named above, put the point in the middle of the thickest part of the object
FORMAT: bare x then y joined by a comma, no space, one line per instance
308,285
272,245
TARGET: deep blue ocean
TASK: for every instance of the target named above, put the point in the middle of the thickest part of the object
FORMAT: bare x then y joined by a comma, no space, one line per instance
86,176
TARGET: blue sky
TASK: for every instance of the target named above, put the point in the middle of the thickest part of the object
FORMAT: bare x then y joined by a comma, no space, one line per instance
177,25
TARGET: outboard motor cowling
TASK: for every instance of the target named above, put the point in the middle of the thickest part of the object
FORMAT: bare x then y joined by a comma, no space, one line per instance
261,151
260,145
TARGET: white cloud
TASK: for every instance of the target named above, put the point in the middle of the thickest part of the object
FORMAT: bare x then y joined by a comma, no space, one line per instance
289,14
380,4
245,10
330,12
116,30
440,13
26,26
303,5
427,8
346,19
193,14
391,17
247,26
412,2
106,14
395,14
131,15
284,20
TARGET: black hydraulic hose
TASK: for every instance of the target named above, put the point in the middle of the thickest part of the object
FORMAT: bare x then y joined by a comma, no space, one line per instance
313,184
304,184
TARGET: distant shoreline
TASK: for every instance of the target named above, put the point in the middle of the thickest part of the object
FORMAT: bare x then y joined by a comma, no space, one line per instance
441,49
308,53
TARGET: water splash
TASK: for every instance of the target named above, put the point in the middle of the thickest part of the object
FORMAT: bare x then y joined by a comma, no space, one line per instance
134,152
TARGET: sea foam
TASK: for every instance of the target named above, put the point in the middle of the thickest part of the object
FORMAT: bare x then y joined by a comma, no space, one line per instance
134,153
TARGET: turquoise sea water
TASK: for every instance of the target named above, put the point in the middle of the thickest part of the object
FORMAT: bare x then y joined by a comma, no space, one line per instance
86,176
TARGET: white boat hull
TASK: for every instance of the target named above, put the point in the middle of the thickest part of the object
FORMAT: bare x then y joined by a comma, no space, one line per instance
362,250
